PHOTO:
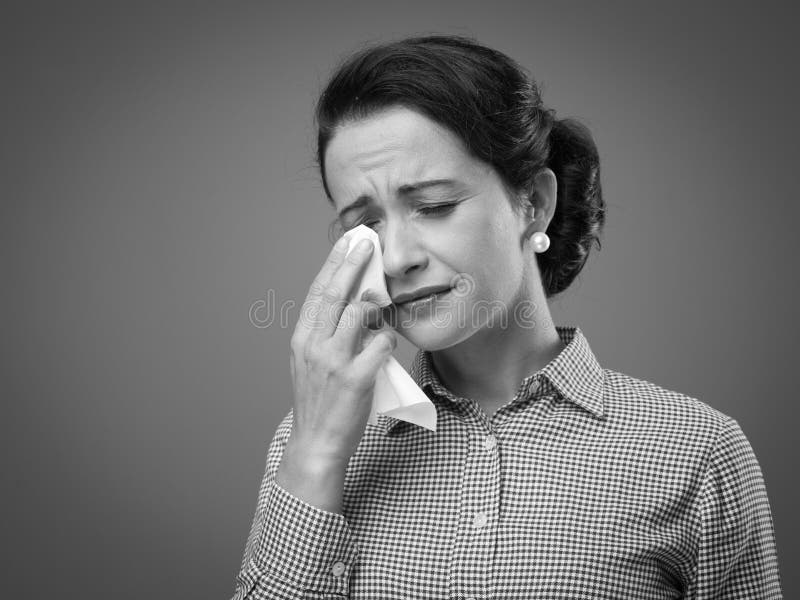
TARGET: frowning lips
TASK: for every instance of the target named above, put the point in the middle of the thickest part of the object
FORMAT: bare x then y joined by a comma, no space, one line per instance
422,292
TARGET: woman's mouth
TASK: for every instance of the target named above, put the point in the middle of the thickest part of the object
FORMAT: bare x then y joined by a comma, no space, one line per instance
424,301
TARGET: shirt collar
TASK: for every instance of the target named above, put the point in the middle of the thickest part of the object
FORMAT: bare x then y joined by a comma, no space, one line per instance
575,374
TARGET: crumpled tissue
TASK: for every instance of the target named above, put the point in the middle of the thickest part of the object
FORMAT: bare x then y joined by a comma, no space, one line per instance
396,394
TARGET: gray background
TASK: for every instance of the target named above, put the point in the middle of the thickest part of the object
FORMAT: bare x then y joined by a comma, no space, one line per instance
158,179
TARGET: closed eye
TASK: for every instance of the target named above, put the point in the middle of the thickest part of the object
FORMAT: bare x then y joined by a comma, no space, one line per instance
438,209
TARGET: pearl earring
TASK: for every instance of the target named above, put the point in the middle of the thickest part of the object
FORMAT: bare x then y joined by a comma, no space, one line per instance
540,241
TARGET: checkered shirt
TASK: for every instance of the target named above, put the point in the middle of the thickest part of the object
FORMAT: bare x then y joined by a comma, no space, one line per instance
588,484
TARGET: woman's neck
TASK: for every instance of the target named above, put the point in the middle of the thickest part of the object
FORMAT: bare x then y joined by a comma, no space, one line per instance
489,366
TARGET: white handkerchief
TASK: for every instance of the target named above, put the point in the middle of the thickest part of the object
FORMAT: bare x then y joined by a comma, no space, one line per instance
396,393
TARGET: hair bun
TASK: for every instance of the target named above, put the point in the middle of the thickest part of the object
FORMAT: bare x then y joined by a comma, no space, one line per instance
580,210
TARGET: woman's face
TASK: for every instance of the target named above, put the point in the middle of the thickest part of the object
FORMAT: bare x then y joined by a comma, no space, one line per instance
458,232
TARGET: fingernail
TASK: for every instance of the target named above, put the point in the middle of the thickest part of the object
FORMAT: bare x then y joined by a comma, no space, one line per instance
364,245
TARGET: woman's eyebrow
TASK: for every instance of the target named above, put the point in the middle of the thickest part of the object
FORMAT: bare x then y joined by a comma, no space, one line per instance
404,190
410,188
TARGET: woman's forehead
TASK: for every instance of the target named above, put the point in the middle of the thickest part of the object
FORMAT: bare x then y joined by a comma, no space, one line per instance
401,133
393,149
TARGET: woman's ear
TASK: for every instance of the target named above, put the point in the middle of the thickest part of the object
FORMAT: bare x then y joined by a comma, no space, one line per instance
542,202
545,190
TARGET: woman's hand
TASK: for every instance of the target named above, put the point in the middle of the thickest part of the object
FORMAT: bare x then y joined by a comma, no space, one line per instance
334,359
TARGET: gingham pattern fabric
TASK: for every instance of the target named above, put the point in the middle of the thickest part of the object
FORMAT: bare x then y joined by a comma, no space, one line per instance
588,484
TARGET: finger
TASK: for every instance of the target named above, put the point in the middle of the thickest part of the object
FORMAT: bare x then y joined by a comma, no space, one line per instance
371,332
375,353
373,316
380,298
312,304
334,299
355,326
332,262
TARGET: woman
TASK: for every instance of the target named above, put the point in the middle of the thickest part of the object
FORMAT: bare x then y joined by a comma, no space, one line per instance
549,476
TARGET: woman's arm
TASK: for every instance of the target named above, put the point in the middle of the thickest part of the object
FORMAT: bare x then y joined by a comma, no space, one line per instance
294,549
736,552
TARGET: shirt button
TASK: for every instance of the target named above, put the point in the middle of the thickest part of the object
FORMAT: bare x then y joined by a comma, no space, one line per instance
479,520
338,569
490,442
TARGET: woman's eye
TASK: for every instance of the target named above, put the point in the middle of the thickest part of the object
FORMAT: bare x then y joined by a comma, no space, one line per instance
364,221
438,209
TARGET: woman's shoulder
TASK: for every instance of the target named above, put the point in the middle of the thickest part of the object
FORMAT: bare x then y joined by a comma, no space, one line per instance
642,405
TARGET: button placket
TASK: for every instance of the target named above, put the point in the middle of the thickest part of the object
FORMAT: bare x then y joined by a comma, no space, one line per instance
486,455
482,489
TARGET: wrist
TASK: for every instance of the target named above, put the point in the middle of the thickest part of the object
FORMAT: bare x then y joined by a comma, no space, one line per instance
316,479
311,457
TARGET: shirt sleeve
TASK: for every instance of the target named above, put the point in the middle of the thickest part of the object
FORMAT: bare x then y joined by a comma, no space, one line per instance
736,552
294,550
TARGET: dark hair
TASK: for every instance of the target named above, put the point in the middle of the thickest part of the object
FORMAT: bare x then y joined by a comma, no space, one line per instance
492,104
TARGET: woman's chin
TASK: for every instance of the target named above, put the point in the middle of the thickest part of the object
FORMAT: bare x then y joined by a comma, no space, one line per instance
430,336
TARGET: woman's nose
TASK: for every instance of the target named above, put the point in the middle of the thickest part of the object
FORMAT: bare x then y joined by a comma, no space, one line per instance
402,251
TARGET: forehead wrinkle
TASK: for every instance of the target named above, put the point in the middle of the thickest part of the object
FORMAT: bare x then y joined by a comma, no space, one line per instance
394,156
387,176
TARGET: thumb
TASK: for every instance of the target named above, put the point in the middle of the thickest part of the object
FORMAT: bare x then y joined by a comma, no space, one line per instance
382,299
376,350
